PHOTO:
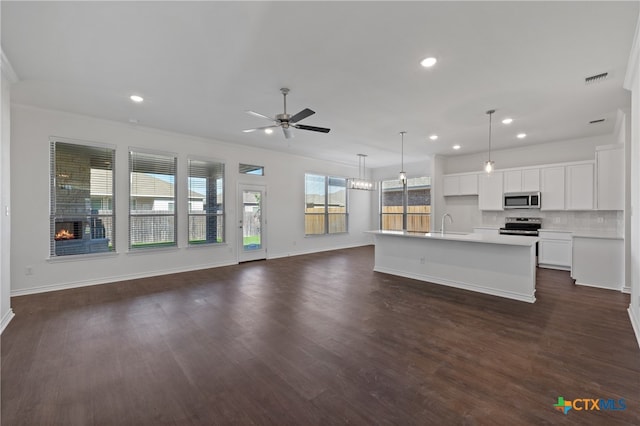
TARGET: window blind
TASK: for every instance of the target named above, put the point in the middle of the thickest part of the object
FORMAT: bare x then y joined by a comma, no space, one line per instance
206,202
82,213
152,196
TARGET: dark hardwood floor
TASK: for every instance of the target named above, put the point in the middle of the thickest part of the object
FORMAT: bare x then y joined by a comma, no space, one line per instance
318,339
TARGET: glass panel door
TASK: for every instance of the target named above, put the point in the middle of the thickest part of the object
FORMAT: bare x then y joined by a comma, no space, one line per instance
252,223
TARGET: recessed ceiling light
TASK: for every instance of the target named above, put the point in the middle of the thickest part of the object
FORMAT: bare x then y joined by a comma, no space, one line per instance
507,120
428,62
521,135
268,131
136,98
433,137
456,147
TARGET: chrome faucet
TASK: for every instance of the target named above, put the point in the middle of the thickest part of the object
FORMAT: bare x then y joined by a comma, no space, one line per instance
444,216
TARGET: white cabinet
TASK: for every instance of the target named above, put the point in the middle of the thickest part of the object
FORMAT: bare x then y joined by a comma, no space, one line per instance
610,177
552,188
525,180
554,250
531,180
598,262
490,190
579,190
466,184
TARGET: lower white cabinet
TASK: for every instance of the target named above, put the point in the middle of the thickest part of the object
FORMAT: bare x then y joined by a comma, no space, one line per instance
598,262
554,250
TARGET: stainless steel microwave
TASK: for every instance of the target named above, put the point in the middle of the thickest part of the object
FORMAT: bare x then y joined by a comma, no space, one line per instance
521,200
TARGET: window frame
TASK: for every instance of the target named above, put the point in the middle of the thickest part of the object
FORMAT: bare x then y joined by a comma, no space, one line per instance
406,214
222,216
326,214
54,213
156,245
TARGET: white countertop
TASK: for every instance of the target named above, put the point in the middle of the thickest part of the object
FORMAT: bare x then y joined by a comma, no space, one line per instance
587,233
513,240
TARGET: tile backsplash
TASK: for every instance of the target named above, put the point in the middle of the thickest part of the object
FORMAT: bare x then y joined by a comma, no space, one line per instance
607,221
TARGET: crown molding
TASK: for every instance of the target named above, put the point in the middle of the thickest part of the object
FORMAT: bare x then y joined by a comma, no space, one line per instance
7,69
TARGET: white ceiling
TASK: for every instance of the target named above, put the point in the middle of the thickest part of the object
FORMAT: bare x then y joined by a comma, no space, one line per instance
200,65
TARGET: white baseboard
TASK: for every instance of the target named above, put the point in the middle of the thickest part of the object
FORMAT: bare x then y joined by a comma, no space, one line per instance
458,284
635,323
599,286
6,319
115,278
626,289
303,252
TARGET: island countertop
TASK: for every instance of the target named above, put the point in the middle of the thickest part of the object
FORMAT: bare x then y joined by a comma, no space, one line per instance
512,240
500,265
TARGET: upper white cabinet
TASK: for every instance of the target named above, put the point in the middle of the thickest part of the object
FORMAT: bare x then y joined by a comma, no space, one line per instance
610,177
552,188
490,190
466,184
525,180
580,179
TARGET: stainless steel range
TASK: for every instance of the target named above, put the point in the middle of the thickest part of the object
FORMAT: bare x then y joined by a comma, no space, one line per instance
525,226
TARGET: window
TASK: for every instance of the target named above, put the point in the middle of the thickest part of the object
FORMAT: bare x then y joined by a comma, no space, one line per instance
206,202
82,194
152,196
248,169
325,205
406,207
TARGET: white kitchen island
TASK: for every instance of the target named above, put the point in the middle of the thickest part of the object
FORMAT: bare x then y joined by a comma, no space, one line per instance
500,265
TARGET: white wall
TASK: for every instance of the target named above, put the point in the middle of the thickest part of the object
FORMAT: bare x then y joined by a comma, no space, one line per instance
632,82
8,76
546,153
284,178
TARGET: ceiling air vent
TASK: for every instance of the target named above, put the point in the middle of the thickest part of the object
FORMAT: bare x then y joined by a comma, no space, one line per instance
596,121
596,78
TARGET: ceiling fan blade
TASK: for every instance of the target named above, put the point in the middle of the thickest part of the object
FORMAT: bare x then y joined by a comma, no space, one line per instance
259,128
301,115
312,128
288,133
257,114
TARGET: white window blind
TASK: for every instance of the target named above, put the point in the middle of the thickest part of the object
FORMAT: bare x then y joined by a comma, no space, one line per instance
82,199
206,202
152,196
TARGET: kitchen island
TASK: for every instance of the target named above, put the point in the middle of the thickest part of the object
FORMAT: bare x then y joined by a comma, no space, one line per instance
500,265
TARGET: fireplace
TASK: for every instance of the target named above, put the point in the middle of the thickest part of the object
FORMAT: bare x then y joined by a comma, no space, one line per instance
80,237
68,231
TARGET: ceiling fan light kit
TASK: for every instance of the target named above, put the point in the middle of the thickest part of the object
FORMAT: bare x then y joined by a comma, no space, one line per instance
287,121
361,182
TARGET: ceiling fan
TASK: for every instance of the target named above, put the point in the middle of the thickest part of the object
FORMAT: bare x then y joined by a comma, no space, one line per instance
287,121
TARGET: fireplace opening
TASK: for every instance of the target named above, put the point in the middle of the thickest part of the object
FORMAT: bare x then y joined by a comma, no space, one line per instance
68,231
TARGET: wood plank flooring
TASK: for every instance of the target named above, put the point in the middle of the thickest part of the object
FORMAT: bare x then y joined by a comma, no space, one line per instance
318,339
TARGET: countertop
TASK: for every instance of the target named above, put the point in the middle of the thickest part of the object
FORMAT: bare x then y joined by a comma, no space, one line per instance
587,233
512,240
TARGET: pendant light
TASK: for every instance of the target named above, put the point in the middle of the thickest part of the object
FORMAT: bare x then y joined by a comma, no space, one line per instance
488,165
403,174
361,182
